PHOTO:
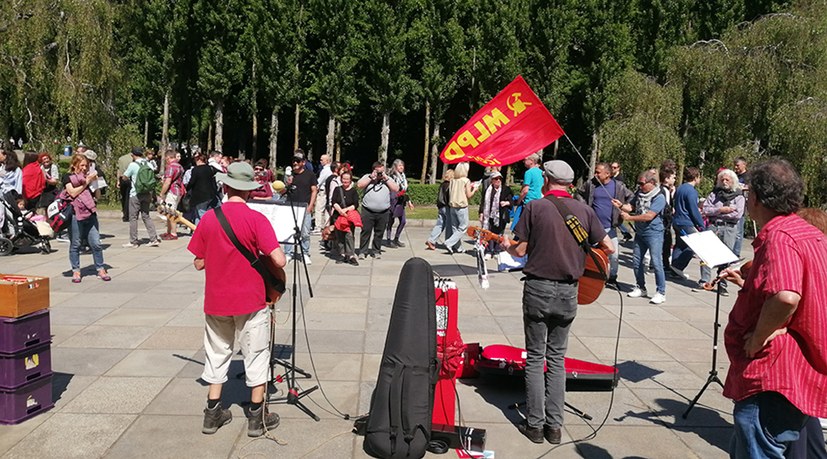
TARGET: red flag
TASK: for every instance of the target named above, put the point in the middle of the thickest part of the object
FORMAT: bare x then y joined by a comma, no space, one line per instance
513,125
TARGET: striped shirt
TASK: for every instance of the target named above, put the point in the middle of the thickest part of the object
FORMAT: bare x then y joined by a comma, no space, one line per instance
790,255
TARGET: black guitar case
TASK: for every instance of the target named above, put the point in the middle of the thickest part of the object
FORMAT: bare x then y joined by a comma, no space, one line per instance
399,423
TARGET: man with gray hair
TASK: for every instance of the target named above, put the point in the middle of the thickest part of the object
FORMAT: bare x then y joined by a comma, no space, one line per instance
321,215
646,213
556,261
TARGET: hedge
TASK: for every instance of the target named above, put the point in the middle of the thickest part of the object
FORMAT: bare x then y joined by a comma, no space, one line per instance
425,194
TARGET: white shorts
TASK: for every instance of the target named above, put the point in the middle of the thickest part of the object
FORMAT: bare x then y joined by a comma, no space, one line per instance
253,334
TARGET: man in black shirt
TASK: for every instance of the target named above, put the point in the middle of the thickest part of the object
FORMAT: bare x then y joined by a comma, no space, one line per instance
302,189
201,187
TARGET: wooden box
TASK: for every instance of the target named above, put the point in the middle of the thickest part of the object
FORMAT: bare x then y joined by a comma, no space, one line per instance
21,294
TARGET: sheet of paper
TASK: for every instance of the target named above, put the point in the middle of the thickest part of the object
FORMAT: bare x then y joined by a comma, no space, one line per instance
280,217
710,249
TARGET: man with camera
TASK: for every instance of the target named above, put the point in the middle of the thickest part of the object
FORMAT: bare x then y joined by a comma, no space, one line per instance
376,204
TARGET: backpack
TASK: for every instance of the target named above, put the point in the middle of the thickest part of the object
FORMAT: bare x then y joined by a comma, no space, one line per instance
145,181
60,212
668,211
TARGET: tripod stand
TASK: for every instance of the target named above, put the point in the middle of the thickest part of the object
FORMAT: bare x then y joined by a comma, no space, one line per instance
294,394
713,373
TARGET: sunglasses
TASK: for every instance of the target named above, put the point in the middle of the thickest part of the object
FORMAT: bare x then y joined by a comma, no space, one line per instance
642,183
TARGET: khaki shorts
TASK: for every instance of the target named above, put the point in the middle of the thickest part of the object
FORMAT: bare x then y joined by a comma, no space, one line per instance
252,331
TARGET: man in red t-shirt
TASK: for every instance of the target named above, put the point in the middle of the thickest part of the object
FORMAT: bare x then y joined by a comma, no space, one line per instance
776,338
234,299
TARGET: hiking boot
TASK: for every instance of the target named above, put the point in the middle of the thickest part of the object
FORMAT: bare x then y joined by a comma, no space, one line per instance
554,435
215,418
398,243
535,434
259,419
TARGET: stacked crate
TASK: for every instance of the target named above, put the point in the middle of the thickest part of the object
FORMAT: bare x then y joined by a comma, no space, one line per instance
25,348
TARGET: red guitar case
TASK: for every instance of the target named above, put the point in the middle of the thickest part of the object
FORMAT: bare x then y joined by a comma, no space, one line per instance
510,360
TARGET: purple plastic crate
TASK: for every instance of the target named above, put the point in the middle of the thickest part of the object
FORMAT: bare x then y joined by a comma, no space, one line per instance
24,367
17,405
24,332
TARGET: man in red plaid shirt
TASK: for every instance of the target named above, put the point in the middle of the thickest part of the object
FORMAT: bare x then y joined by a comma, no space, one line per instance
776,337
172,190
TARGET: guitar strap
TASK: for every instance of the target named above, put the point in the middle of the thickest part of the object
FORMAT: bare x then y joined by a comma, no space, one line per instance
255,261
581,236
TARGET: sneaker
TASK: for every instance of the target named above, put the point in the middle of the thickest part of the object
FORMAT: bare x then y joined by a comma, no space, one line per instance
63,237
535,434
391,243
398,243
554,435
699,287
679,273
130,245
260,419
659,298
636,293
154,243
353,261
487,256
307,260
215,418
724,292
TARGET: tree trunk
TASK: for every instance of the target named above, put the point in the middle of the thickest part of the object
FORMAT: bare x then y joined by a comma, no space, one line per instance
435,154
165,129
296,129
595,152
338,141
274,136
209,138
331,134
254,107
427,140
146,131
219,126
386,133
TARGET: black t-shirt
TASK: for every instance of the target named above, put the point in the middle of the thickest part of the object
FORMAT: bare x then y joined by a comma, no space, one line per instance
552,251
202,184
346,198
303,183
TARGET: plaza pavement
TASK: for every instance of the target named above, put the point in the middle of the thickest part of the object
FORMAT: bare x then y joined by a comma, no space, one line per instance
127,356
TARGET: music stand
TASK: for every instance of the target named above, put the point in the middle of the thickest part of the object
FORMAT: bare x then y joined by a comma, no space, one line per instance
714,253
273,210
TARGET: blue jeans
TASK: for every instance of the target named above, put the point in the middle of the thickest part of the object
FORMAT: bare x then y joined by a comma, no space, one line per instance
682,254
459,223
441,219
549,308
766,424
652,243
85,230
305,239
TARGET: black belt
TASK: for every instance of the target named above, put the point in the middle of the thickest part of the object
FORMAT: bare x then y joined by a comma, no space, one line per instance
724,223
563,281
376,211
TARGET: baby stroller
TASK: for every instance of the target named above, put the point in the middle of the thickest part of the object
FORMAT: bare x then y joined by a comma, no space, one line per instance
16,231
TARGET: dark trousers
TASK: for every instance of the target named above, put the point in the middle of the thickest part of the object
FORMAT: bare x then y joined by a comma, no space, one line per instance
126,187
667,246
376,223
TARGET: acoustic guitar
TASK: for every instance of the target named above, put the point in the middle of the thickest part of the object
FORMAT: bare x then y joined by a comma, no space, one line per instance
590,285
275,284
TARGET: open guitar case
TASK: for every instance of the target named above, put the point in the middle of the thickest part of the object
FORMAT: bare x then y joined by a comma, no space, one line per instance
401,407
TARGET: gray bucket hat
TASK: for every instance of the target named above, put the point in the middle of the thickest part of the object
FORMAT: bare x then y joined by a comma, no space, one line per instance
239,176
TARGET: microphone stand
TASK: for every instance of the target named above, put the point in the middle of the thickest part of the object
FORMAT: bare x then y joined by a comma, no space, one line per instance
713,373
294,393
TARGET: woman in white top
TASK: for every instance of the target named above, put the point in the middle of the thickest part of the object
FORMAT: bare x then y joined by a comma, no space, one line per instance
459,192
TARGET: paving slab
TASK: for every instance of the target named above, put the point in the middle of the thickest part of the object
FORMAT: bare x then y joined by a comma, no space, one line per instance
128,356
